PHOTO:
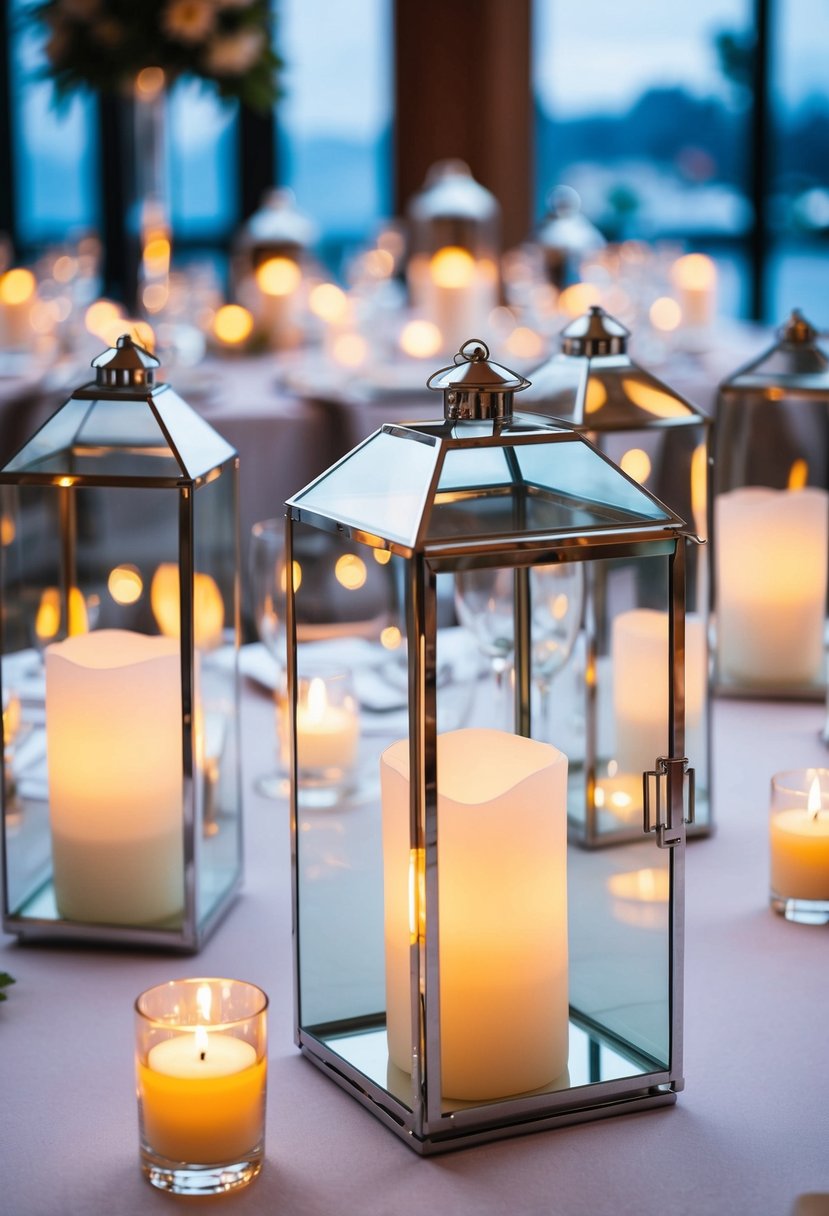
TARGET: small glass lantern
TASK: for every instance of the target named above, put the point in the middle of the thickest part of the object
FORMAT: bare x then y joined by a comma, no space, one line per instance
460,969
771,521
271,262
565,237
454,245
120,608
662,442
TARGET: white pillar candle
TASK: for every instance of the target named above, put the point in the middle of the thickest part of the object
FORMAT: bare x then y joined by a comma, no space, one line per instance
695,280
502,916
771,553
799,844
640,659
114,749
18,289
457,293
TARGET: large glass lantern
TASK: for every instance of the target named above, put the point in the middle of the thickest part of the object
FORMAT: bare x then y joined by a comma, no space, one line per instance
120,608
271,264
454,246
771,520
565,237
460,969
662,442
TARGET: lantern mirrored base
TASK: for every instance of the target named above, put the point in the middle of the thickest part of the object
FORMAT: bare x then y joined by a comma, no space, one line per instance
604,1077
801,911
184,1179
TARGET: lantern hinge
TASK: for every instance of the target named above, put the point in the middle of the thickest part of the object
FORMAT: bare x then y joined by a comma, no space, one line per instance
658,800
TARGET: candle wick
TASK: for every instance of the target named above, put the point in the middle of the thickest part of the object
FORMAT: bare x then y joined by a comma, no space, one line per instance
202,1055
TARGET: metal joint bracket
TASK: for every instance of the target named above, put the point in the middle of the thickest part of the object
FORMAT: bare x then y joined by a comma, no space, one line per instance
657,799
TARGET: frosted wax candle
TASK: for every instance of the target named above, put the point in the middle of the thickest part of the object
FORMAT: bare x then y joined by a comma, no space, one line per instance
640,657
502,894
771,553
114,752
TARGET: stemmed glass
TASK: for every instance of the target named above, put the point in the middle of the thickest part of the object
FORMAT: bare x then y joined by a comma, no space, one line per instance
268,594
557,605
485,604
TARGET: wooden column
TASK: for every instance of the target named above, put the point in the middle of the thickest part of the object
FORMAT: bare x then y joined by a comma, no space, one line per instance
463,90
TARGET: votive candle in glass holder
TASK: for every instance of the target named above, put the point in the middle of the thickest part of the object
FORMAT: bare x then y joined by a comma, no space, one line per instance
328,735
201,1070
799,844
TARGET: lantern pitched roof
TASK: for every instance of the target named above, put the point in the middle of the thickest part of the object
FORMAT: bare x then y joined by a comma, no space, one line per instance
429,485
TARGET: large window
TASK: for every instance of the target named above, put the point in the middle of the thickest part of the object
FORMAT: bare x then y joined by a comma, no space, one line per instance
334,120
799,199
645,114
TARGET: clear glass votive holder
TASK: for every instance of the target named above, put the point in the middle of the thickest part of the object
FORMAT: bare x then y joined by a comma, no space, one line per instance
328,735
201,1070
799,845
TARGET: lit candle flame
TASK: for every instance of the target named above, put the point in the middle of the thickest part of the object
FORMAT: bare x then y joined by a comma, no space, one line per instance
202,1040
798,475
317,699
813,801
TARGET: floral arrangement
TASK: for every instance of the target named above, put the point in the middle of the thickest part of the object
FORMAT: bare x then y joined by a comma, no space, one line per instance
104,44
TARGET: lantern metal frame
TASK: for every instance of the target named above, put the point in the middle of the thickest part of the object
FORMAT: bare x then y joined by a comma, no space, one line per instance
421,1121
127,374
754,446
595,386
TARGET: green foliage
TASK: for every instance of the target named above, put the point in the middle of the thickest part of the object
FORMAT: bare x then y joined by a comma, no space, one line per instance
104,44
5,980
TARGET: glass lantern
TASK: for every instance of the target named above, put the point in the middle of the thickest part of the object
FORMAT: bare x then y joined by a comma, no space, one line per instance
120,607
663,443
566,237
271,262
460,969
771,521
454,246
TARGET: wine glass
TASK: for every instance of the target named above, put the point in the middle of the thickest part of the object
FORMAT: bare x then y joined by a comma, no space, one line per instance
485,604
268,594
557,604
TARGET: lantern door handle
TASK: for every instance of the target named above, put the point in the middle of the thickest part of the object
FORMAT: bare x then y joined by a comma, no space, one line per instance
657,801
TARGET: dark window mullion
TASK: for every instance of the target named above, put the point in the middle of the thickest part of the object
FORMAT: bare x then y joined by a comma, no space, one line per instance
761,134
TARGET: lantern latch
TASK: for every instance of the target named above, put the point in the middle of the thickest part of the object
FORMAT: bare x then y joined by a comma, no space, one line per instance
657,785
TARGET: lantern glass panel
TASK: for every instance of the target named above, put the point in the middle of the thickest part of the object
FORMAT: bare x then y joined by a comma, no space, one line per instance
122,806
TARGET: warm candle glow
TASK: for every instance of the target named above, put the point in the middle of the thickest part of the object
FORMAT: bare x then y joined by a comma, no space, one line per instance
390,637
648,885
813,801
595,396
577,298
148,83
452,267
637,464
694,272
420,339
524,343
381,556
100,317
656,401
232,324
204,1000
48,617
17,286
328,302
665,314
64,269
208,605
349,349
350,571
156,255
798,475
125,584
278,276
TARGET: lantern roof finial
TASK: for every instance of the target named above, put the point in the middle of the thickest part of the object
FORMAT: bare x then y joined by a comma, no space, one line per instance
475,386
595,333
125,365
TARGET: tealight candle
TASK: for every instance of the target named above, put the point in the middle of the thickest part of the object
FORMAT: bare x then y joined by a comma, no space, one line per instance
799,845
201,1068
327,730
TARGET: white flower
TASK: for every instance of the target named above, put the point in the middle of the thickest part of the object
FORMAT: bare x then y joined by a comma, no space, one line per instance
188,20
233,54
